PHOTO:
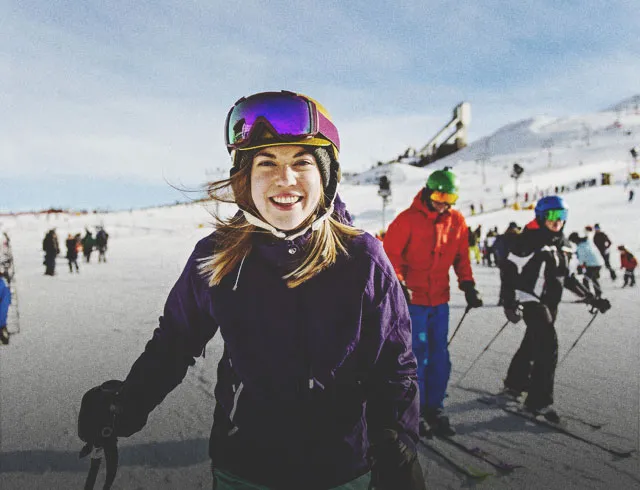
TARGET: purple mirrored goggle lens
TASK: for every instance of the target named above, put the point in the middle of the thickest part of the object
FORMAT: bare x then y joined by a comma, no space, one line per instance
556,215
289,115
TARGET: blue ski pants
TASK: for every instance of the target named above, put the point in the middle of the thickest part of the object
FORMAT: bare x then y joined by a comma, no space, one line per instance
430,332
5,301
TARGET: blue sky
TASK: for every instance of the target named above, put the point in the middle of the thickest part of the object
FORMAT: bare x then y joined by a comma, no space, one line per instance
106,102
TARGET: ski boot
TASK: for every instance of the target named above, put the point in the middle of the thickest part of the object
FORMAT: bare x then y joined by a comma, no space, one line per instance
547,412
510,395
439,423
4,335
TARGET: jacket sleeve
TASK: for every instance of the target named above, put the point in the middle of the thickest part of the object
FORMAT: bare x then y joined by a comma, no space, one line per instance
461,262
183,331
393,399
395,242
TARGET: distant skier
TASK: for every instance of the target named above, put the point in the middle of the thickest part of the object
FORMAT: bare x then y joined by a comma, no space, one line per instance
51,249
474,241
534,274
588,257
602,242
87,245
101,244
423,243
629,263
72,252
631,194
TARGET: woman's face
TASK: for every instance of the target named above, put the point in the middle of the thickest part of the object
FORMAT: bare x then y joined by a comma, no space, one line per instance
286,185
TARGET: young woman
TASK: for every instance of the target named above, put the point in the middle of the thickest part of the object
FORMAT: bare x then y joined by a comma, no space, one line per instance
316,388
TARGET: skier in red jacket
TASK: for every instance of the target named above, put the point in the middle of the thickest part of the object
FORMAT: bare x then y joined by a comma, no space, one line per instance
423,243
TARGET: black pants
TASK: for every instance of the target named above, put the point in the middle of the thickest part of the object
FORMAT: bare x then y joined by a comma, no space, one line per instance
533,367
607,256
629,278
593,273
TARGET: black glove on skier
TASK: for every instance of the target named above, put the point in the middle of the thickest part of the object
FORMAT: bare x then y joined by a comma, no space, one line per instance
513,312
471,294
102,417
601,304
395,466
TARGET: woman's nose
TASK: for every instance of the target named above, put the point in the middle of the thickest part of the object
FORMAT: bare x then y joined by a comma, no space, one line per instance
286,175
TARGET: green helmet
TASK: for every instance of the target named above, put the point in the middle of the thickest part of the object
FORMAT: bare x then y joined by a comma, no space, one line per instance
443,181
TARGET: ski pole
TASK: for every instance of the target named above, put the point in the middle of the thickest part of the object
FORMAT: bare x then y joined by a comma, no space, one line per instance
480,355
595,313
467,309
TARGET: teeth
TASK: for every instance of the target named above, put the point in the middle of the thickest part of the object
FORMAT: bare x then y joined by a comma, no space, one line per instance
285,199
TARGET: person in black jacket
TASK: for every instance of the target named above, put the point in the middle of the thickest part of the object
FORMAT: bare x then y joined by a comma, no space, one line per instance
51,249
72,251
534,274
603,244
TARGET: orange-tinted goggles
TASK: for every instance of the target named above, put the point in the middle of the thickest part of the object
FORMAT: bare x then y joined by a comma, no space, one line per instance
444,197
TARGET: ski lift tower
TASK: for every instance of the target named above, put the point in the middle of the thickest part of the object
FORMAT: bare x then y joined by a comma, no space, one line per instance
385,193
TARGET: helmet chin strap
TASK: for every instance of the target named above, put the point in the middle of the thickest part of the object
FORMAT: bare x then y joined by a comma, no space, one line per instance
255,221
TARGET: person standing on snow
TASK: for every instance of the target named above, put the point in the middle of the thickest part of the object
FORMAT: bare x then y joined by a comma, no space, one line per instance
316,387
87,245
51,249
602,242
101,244
72,252
588,257
423,243
628,263
534,274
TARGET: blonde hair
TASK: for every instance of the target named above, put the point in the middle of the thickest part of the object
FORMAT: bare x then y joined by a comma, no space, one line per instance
234,236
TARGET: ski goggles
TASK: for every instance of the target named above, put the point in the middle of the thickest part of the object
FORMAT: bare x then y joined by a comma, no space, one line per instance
443,197
556,215
289,116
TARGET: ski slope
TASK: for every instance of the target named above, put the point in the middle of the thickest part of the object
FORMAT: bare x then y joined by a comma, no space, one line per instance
78,330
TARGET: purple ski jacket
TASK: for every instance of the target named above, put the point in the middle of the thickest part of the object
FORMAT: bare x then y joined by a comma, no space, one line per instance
308,374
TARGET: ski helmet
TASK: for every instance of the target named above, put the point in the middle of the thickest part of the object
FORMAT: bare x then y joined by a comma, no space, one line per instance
284,118
445,183
551,203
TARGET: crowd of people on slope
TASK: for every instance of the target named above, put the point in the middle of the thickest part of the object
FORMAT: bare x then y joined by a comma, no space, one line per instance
335,356
75,244
593,253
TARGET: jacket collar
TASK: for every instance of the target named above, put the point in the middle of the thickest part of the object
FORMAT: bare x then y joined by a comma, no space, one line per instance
419,205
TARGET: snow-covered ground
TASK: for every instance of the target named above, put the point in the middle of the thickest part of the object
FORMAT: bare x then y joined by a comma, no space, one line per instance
77,330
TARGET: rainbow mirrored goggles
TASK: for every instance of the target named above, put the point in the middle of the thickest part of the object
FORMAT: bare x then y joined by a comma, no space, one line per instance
556,215
443,197
288,116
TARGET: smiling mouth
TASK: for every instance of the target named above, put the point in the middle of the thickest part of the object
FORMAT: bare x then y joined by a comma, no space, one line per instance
285,202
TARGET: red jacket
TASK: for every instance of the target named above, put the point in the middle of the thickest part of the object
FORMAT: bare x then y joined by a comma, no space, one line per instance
423,245
628,261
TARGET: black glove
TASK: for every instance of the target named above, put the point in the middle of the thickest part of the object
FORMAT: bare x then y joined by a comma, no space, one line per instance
96,421
601,304
103,417
395,466
513,312
471,294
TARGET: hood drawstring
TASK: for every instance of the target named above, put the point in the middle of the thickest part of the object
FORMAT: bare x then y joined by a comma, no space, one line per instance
235,286
280,234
